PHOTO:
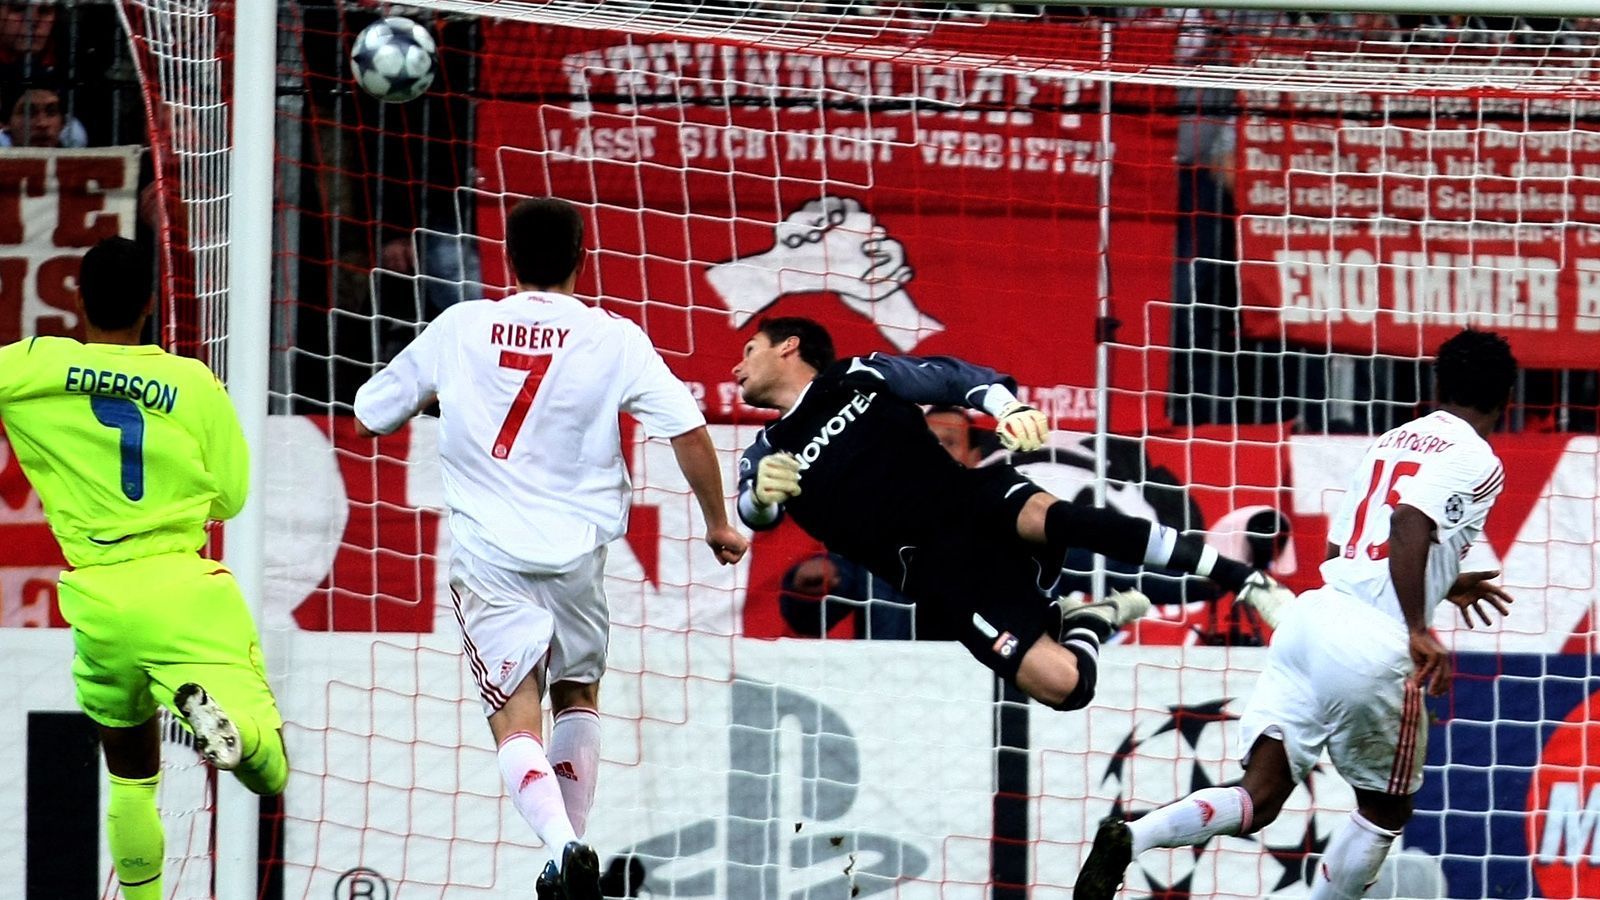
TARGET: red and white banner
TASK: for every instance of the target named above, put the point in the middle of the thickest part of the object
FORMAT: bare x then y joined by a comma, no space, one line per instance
911,209
1389,234
32,559
54,206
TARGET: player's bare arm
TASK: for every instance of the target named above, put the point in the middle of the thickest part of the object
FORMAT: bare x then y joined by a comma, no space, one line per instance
1410,535
697,457
1472,590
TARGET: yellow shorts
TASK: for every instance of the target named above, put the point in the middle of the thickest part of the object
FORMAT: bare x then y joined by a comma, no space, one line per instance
143,628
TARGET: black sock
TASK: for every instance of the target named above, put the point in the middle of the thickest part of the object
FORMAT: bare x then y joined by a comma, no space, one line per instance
1230,573
1121,537
1191,554
1086,647
1137,541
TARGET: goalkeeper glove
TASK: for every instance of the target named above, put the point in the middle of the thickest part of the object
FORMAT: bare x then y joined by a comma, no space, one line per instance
1022,428
777,478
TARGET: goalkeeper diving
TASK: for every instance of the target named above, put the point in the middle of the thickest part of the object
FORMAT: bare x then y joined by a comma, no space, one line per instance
978,550
132,450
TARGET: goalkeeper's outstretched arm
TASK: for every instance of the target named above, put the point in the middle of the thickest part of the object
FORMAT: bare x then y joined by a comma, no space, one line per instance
697,458
938,379
947,380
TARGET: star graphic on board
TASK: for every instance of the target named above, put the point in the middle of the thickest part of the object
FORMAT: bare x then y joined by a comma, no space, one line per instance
1190,722
1297,858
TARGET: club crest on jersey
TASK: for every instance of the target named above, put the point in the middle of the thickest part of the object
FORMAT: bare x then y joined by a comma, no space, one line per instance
840,420
1454,509
1006,645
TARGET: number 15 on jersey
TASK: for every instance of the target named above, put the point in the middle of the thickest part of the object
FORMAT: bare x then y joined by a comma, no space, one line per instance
1391,499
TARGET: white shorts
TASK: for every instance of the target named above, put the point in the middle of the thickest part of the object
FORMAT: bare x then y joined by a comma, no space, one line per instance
1338,676
514,624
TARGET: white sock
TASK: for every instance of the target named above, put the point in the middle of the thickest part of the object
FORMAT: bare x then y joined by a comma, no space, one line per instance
532,785
1194,819
1165,548
1159,545
575,755
1350,864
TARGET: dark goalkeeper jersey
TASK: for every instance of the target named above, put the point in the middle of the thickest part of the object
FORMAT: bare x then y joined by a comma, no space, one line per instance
874,480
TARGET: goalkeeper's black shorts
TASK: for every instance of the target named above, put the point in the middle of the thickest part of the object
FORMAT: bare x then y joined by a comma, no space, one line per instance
975,580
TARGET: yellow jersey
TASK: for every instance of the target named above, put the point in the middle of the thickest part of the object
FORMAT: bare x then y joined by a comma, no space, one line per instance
131,448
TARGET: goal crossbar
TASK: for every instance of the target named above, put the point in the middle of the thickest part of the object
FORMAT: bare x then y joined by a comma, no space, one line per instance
1562,8
921,35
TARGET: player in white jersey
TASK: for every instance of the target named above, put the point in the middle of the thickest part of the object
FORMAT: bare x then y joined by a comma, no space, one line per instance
1349,661
529,391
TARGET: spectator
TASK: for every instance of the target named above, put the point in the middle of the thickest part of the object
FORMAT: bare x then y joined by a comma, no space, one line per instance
386,232
441,260
35,117
25,31
954,430
81,53
1204,324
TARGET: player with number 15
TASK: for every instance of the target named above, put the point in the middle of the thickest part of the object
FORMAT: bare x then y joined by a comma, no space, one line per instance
1349,661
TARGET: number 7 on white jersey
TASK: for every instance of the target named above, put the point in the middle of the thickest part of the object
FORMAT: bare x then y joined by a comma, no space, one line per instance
535,366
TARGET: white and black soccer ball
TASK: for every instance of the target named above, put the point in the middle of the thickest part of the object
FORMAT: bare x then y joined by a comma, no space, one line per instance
394,60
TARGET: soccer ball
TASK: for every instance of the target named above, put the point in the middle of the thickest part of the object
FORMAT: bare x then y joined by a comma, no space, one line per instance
394,59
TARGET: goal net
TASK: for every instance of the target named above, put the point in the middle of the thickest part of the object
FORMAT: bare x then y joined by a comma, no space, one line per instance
1215,248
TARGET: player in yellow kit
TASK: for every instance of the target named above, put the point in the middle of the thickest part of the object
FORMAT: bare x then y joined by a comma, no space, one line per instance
132,450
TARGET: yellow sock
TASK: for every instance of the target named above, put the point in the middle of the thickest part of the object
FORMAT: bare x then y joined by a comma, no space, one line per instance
264,767
133,829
